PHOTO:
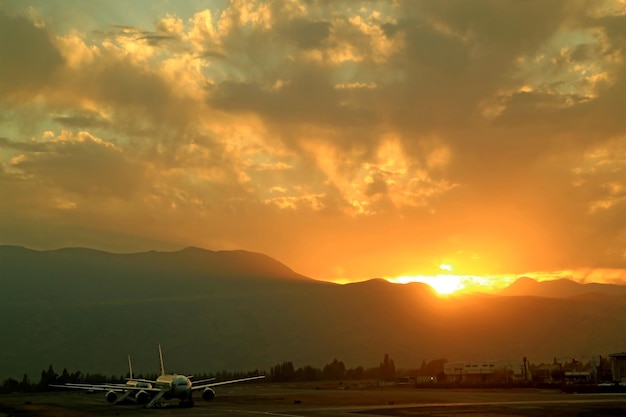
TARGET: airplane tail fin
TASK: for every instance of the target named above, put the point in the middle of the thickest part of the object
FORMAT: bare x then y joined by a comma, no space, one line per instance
130,369
161,359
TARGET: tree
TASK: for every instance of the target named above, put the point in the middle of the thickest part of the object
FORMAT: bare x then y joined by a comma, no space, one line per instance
283,372
25,385
433,367
356,373
10,385
335,370
387,369
76,377
308,373
47,378
64,378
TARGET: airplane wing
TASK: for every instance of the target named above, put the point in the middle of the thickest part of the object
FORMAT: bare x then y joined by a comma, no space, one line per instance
92,387
148,381
106,387
232,381
201,381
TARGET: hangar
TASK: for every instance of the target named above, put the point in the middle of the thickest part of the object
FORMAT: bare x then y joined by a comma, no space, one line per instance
618,366
471,372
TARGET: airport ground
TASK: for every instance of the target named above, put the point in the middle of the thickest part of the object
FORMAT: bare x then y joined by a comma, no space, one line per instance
332,400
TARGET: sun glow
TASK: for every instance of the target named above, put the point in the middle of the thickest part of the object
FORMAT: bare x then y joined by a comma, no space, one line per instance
445,267
446,284
442,284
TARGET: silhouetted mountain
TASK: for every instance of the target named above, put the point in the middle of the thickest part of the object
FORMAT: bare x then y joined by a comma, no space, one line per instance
560,288
87,310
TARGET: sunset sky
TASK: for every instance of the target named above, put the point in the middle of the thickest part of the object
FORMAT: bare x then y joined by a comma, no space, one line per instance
346,139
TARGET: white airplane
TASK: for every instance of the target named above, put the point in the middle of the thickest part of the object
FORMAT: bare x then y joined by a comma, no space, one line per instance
118,393
166,386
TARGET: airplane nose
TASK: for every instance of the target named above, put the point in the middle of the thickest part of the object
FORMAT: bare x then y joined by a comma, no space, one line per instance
182,384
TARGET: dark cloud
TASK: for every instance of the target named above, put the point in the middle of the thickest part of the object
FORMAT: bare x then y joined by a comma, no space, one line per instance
155,39
29,58
305,33
212,54
22,146
431,55
499,28
82,119
613,26
378,186
308,97
118,30
83,165
140,100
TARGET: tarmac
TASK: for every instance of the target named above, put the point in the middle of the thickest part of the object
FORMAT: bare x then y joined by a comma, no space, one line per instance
331,400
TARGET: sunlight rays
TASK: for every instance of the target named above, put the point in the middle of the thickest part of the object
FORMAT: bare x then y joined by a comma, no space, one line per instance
447,284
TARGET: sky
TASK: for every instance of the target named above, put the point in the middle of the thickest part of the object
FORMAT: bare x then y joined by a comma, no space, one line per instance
346,139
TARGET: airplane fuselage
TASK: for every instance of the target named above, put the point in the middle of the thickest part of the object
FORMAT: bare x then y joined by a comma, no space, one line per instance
176,386
139,384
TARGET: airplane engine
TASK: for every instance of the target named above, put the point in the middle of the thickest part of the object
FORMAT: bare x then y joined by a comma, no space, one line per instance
111,396
142,397
208,394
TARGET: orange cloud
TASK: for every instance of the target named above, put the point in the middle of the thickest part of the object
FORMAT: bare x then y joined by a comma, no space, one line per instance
385,136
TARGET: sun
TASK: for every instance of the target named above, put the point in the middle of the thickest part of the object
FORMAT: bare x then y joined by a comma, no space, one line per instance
447,284
442,284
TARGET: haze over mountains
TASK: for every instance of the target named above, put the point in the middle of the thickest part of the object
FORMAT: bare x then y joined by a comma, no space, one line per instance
87,310
560,288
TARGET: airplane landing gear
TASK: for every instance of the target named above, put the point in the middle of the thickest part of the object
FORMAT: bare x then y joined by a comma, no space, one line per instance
186,404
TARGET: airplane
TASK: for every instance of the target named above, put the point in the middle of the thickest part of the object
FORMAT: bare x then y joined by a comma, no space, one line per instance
114,390
166,386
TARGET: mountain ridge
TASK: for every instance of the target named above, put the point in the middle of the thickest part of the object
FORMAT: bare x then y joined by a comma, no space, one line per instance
89,312
191,253
559,288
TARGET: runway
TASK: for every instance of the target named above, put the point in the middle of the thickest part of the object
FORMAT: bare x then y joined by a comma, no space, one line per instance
333,401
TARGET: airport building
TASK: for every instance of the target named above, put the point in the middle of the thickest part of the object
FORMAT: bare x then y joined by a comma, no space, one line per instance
618,366
470,372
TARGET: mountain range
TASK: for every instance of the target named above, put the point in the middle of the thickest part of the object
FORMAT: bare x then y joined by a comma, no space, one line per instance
560,288
86,310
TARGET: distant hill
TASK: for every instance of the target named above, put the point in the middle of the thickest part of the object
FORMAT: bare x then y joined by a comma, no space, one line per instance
560,288
87,310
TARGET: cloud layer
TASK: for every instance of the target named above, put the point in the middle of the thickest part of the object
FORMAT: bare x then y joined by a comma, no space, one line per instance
347,139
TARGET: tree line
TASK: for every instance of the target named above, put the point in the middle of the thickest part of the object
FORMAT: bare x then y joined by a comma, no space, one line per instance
334,371
288,372
281,372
